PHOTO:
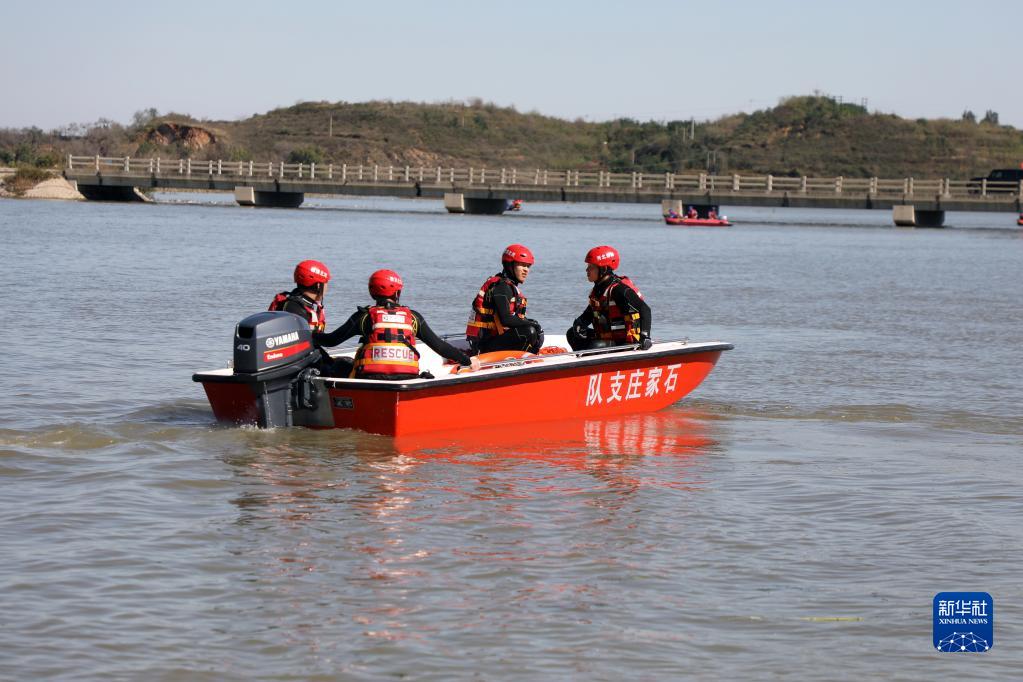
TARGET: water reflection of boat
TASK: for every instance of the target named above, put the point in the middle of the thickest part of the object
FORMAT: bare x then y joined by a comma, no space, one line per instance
628,450
572,442
271,385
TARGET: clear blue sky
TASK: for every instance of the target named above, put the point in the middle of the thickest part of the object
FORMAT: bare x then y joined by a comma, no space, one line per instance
79,61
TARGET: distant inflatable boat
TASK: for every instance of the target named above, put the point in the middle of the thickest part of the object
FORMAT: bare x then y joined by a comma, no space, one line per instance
707,222
698,215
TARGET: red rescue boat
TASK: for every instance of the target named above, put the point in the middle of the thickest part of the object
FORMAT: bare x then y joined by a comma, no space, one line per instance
1019,221
271,385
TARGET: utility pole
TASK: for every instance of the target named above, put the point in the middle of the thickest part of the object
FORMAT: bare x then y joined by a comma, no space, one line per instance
330,130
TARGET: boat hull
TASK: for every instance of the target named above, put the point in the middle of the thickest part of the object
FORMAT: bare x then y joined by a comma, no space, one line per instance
516,392
573,393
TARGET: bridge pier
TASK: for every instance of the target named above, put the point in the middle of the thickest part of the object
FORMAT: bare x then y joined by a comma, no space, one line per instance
907,215
250,196
112,193
456,202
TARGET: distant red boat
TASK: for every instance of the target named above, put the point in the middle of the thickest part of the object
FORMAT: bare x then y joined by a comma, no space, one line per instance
1019,221
712,222
698,215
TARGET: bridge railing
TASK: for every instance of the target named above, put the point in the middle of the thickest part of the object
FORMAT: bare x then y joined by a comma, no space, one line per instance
539,177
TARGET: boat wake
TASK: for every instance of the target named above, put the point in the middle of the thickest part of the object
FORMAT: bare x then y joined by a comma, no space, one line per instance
178,412
882,413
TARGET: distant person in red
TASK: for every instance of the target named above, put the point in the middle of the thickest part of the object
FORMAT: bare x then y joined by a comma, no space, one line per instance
616,315
498,320
692,214
388,333
306,299
672,214
712,214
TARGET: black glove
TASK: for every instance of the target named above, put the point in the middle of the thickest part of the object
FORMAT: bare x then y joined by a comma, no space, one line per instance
644,342
535,324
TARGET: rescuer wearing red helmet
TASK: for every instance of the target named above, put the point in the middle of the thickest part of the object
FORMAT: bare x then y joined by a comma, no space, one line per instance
498,320
617,312
306,300
388,333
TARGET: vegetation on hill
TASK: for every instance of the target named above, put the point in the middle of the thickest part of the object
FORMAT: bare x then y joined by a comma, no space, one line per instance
816,136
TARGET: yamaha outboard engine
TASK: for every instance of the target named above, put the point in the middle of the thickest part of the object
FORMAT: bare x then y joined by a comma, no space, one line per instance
274,352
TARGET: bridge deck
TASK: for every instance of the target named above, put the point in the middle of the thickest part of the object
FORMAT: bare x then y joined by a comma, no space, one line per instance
546,185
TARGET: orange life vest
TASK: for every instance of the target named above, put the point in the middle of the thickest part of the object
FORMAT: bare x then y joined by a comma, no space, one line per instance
313,309
609,321
483,323
390,346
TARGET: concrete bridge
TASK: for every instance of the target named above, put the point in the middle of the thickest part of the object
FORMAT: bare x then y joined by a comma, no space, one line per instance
487,190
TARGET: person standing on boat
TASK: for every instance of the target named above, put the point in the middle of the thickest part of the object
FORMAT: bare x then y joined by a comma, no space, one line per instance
617,312
498,320
306,300
388,333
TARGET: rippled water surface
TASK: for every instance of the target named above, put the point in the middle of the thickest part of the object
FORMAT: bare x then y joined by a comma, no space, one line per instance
858,452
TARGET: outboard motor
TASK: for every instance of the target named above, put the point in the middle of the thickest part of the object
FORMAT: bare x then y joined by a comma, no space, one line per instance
274,352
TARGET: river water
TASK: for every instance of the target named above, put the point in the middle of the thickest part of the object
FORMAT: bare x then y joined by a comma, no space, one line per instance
858,452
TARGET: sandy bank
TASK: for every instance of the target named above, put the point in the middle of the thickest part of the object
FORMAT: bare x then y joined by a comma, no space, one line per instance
54,188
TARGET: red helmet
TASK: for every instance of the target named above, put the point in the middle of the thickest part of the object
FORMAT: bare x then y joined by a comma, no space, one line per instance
517,253
603,257
385,284
309,273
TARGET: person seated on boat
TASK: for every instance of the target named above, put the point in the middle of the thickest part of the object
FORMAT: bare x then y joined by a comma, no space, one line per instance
498,320
672,214
712,214
692,214
617,312
388,333
306,300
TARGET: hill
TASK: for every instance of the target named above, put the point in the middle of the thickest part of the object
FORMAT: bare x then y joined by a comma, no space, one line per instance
814,136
